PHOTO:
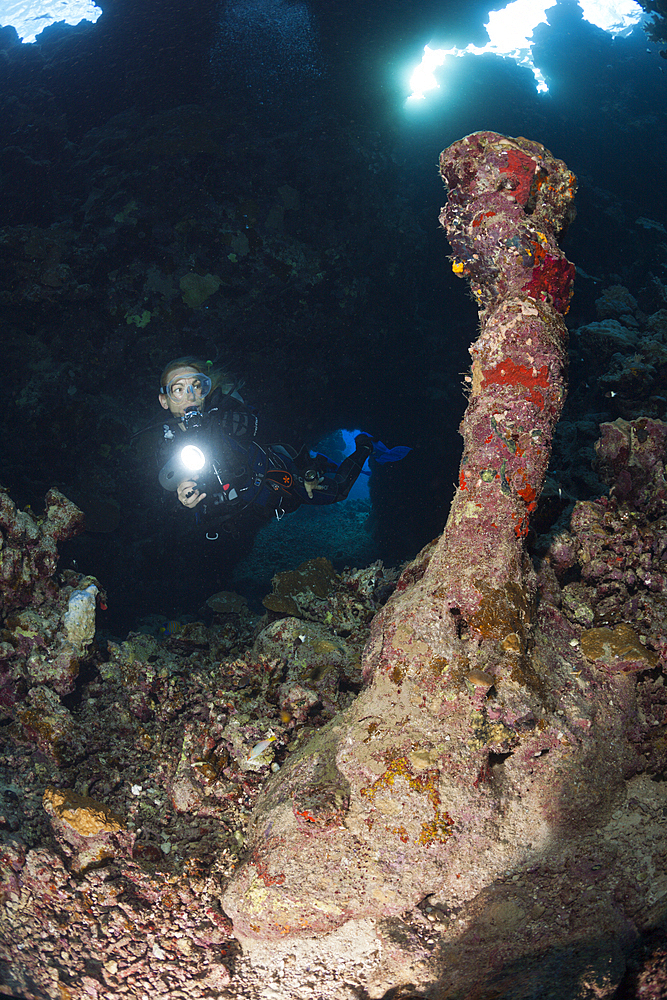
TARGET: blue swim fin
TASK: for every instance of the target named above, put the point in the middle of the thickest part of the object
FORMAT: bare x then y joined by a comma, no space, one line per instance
382,454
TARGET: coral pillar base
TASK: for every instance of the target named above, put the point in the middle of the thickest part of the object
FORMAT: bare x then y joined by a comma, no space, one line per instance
397,797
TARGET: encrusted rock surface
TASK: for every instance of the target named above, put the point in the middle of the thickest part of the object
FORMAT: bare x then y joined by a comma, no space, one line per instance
29,548
478,801
47,629
123,812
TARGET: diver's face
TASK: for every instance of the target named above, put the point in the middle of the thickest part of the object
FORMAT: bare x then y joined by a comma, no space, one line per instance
183,392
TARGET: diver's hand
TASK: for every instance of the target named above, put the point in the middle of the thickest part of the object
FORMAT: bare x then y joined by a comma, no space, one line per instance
312,486
311,481
188,493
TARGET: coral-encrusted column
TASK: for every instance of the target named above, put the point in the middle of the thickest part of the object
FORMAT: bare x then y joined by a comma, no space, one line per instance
508,200
397,797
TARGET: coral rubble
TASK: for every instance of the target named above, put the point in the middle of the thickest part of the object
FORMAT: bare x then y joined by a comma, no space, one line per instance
123,810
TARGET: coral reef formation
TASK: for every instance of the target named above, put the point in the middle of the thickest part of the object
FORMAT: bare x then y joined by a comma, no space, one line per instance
611,560
29,547
618,367
123,811
466,603
475,770
46,629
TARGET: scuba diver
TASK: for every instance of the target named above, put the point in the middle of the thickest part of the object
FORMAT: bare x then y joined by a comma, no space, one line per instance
209,456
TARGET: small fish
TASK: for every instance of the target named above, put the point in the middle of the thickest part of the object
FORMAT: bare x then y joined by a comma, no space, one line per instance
480,678
260,748
170,629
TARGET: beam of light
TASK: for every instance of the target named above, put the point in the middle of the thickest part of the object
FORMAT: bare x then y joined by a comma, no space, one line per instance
618,17
510,32
30,17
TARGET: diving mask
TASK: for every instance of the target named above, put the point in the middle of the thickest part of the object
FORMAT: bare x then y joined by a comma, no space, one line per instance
188,388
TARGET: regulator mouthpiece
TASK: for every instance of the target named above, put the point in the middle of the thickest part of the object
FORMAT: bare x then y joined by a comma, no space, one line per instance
193,418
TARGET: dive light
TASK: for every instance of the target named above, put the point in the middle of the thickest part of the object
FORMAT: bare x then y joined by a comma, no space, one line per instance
190,460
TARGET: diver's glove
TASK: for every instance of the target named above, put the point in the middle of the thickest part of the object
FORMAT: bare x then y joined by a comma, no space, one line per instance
364,448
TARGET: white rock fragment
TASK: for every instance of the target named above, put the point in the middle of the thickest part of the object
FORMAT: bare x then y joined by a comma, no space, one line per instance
79,619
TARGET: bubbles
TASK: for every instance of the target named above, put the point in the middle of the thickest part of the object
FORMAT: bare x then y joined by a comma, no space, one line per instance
266,50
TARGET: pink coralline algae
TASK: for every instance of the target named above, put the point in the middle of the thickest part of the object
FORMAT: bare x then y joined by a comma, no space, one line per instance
552,280
497,239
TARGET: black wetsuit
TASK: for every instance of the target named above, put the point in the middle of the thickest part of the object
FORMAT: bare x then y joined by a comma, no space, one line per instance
243,477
